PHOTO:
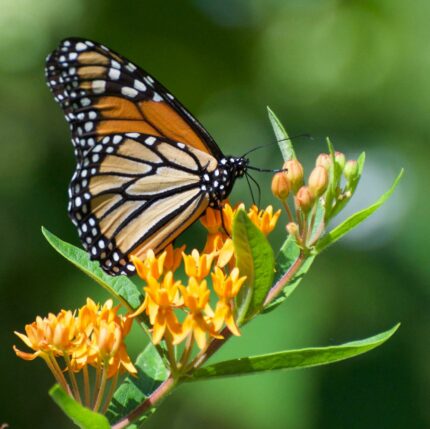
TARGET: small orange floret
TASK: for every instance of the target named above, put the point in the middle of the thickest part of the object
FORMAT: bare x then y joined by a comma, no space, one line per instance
226,287
197,265
265,220
196,299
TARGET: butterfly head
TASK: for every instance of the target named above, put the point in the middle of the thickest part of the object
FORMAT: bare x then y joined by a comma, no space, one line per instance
219,183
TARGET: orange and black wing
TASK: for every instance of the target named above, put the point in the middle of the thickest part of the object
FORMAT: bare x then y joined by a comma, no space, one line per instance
140,154
103,93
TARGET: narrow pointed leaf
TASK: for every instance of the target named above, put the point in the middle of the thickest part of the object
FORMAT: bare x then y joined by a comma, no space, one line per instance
120,287
292,359
134,390
255,260
354,220
80,415
284,142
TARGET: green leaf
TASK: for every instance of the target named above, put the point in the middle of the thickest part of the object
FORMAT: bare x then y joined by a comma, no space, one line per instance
288,255
256,261
354,220
81,416
134,390
120,287
292,359
284,142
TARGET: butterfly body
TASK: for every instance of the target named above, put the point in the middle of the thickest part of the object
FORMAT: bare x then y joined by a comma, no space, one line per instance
146,169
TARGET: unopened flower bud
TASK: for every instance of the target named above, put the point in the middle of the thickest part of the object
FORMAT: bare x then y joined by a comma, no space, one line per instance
339,157
318,181
351,170
280,186
324,160
304,199
292,229
294,173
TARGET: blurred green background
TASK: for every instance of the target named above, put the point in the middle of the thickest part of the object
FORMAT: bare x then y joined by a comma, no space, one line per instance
358,71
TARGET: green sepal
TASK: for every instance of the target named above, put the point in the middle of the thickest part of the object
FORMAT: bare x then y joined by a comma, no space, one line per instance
291,359
284,142
354,220
82,417
256,261
134,390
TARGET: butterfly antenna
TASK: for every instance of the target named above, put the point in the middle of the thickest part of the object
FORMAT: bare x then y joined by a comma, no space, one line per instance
277,142
250,188
266,170
258,188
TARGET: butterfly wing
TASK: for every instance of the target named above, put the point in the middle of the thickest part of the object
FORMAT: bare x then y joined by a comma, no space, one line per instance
140,154
103,93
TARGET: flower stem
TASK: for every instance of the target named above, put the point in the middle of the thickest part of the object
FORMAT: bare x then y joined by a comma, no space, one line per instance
97,382
186,352
288,210
72,376
156,396
283,281
112,389
86,386
56,370
102,387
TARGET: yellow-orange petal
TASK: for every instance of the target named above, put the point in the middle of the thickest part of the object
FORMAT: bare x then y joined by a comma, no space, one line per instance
26,356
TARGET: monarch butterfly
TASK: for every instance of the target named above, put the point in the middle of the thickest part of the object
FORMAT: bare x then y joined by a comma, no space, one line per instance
146,169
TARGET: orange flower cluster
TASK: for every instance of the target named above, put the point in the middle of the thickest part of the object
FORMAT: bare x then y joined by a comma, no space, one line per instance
94,337
166,297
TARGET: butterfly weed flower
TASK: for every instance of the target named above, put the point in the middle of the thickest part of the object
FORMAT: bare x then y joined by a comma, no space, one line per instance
226,287
71,342
198,321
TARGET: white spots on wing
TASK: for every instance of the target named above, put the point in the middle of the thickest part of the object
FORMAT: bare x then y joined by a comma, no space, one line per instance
139,85
114,73
150,140
149,79
92,114
181,145
115,64
81,46
157,97
95,158
116,139
106,139
98,148
78,201
89,43
128,92
133,135
73,56
131,67
170,96
88,126
66,43
85,102
98,86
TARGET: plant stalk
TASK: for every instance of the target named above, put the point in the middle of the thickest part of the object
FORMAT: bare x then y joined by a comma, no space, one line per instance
156,396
